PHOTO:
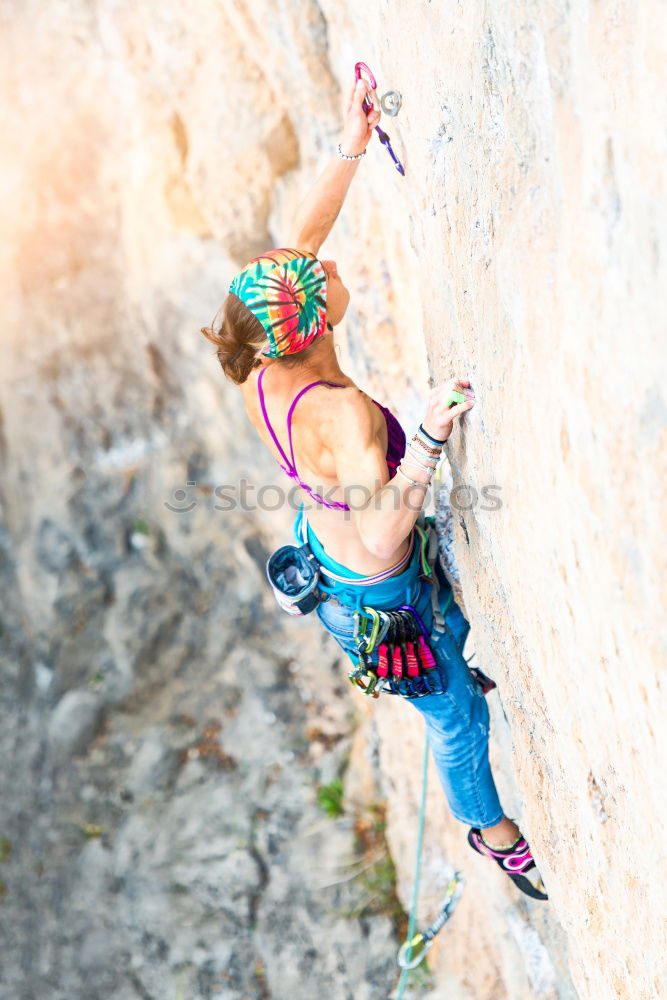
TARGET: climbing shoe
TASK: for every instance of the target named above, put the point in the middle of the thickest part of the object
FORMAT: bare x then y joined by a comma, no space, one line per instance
516,861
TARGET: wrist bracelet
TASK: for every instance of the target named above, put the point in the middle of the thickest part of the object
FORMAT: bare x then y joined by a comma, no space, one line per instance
429,472
346,157
436,452
426,456
429,438
413,482
425,462
415,465
422,468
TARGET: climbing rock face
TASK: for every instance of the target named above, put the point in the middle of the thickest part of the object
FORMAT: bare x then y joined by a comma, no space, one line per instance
167,725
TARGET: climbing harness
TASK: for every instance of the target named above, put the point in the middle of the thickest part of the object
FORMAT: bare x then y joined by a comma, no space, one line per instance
399,638
424,939
368,106
294,574
392,647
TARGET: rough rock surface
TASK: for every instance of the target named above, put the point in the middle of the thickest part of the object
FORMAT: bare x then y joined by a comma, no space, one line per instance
156,827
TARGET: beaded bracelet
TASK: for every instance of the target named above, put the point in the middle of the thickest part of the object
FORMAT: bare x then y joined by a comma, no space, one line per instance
346,157
428,456
425,451
429,438
422,444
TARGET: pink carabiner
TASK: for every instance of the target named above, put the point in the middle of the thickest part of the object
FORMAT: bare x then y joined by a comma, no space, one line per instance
367,105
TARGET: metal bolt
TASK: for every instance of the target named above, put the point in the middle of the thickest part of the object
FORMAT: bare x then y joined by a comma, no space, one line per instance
390,102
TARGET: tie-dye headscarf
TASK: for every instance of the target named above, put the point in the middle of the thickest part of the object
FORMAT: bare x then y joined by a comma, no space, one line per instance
287,291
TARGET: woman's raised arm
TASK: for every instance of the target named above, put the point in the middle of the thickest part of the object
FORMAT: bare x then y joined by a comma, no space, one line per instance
319,209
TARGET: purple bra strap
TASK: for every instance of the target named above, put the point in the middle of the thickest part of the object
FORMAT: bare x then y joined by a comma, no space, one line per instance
291,411
289,415
266,417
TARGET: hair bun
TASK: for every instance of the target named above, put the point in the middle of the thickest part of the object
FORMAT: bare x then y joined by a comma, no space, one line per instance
237,337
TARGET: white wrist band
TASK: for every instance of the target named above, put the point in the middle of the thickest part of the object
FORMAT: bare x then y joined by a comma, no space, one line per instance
421,458
430,469
413,482
346,157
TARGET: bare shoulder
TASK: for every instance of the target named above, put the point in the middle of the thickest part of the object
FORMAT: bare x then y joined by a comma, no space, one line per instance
353,414
249,393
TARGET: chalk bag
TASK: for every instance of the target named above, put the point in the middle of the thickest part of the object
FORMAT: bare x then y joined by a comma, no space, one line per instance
294,573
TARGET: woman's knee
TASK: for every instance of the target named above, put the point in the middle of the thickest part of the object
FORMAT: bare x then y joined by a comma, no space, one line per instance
456,734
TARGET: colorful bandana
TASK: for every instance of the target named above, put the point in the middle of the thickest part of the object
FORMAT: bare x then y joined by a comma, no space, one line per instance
287,292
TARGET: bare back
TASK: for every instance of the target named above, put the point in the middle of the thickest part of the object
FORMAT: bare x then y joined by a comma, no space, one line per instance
316,418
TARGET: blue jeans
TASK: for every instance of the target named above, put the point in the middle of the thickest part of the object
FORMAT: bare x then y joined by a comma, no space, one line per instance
455,710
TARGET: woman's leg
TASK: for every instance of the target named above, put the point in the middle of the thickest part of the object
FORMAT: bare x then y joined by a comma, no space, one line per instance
458,726
458,723
457,718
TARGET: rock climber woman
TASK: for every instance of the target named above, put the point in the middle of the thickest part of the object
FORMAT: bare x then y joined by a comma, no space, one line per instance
274,338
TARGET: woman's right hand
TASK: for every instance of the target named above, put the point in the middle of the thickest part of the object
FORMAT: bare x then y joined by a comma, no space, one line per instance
358,127
439,419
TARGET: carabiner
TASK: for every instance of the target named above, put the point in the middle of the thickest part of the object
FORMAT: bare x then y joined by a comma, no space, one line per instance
452,896
370,687
355,677
375,628
413,961
418,618
366,104
385,621
366,643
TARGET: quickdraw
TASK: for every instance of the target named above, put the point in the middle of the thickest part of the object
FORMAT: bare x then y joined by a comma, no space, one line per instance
393,101
363,676
412,952
401,640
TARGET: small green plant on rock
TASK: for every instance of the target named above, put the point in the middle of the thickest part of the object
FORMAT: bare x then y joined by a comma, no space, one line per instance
330,798
140,526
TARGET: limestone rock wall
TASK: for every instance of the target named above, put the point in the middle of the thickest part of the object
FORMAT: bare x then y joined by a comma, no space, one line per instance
147,153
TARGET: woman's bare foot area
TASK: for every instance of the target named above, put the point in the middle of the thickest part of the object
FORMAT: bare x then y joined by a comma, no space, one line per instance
503,834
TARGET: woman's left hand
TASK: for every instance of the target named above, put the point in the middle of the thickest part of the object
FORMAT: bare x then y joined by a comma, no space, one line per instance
358,126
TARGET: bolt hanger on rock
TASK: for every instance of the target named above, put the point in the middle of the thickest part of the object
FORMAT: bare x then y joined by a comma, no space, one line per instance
390,102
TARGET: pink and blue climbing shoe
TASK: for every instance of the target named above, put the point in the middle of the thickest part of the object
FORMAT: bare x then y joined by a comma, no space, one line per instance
516,861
